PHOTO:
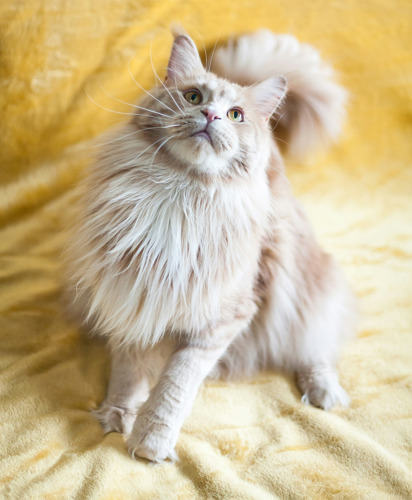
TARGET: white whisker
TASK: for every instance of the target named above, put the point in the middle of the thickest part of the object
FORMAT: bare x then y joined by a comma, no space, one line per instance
204,50
179,94
161,145
144,151
164,86
115,98
134,132
144,90
107,109
134,105
213,53
277,123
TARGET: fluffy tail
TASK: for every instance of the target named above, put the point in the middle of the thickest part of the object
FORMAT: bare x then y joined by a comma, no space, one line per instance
314,107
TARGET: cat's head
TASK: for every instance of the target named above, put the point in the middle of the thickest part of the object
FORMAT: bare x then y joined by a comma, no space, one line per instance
212,126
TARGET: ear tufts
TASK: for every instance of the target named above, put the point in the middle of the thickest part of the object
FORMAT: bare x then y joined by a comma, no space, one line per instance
178,30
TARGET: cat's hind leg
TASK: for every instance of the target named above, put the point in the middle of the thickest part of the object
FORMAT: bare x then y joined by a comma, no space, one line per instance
317,346
321,388
304,323
324,330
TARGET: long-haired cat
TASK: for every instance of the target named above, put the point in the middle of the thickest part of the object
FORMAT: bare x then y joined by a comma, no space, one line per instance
191,255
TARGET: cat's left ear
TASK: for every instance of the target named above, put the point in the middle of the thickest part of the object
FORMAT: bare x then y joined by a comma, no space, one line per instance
184,59
268,95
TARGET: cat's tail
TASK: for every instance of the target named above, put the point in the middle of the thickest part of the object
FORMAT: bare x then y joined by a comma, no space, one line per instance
314,107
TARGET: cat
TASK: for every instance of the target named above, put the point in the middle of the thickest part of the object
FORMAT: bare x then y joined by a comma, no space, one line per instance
192,257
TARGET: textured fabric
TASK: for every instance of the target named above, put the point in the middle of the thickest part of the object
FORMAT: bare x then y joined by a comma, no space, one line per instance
252,439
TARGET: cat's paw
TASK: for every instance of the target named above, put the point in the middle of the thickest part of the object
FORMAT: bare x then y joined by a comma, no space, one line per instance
151,441
326,397
115,418
323,391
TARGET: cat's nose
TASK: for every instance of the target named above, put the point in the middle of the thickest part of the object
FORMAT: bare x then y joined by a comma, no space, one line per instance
210,115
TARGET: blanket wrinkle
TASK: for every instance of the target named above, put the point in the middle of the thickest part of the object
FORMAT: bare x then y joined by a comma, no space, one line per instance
249,439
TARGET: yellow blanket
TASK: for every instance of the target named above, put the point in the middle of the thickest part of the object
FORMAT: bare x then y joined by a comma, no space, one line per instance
246,440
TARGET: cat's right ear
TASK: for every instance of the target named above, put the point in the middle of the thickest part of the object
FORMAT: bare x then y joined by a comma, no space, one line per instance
268,95
184,59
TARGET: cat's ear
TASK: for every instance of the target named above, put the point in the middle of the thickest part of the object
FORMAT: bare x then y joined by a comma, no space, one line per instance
269,94
184,59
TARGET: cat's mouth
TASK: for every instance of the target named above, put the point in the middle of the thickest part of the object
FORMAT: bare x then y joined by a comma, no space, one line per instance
203,134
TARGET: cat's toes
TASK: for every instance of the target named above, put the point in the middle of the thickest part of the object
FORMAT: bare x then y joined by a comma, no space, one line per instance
326,395
150,444
151,453
115,418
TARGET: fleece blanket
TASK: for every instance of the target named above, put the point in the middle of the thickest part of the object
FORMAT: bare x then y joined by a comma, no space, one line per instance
251,439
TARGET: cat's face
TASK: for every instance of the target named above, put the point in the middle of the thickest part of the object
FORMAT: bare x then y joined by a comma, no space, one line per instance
212,126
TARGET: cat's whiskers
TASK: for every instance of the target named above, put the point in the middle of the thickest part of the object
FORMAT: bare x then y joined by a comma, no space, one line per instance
278,139
135,132
204,49
153,117
133,160
144,90
161,145
213,53
278,120
134,105
274,128
107,109
164,86
179,94
282,174
146,149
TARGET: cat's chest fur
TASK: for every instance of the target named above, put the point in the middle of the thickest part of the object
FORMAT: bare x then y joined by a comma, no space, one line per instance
186,252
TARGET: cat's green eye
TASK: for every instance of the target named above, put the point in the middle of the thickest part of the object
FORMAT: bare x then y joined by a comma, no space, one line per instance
235,115
193,96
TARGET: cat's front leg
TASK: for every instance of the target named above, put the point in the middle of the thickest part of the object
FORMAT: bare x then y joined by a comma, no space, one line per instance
131,371
128,388
159,420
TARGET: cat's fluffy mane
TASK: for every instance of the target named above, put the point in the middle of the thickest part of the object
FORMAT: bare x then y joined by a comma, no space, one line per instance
189,236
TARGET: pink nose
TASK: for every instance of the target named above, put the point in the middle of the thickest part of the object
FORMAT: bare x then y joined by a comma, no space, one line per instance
210,115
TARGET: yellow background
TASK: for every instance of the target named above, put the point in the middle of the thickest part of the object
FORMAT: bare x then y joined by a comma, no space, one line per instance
251,439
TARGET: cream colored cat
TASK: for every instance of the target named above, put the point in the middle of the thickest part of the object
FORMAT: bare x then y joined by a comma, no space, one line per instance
192,256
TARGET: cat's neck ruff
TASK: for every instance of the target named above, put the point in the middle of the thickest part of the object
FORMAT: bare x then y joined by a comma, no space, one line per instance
182,247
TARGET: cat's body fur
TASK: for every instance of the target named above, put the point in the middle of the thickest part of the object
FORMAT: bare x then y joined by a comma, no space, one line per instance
193,257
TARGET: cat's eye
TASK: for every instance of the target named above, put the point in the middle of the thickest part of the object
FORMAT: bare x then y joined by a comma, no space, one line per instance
193,96
235,114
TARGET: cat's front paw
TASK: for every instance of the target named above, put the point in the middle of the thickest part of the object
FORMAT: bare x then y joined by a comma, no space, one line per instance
151,440
115,418
322,389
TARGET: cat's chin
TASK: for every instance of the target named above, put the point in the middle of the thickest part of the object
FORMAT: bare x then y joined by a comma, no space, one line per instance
198,153
202,137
